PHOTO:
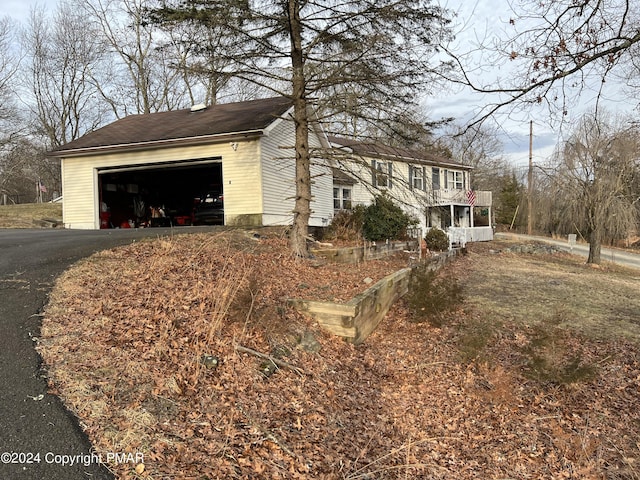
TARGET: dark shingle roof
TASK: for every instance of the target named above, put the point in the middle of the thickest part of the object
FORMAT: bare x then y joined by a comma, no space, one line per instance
163,127
378,150
341,177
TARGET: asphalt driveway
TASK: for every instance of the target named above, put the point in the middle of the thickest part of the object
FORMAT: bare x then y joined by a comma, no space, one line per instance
39,438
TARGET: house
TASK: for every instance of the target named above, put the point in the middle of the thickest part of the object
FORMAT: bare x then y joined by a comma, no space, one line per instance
234,164
434,190
159,168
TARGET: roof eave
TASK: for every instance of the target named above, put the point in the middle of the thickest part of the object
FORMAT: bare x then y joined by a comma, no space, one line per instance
425,161
172,142
404,159
335,143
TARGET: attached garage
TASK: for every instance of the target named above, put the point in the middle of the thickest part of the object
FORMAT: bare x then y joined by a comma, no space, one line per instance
165,168
156,194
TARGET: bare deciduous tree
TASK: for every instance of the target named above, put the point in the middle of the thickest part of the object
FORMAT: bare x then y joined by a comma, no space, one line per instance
60,56
22,167
595,183
144,74
554,51
9,64
479,147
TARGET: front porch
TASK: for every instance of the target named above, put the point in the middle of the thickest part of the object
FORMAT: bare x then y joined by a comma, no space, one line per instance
466,216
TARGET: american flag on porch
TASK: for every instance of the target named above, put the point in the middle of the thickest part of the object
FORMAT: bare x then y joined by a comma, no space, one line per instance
471,198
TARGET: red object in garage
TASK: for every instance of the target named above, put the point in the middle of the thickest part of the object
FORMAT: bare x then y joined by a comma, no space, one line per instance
105,220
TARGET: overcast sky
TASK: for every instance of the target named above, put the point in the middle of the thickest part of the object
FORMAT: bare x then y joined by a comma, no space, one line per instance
19,10
478,21
485,21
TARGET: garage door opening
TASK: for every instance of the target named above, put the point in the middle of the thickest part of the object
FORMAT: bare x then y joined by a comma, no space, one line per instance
161,194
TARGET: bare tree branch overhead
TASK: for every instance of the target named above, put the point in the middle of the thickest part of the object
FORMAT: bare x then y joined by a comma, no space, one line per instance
554,52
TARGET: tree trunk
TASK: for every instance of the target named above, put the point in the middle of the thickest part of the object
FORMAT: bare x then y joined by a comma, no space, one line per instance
302,209
595,244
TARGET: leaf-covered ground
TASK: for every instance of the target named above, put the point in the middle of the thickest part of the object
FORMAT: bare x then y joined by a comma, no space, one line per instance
129,334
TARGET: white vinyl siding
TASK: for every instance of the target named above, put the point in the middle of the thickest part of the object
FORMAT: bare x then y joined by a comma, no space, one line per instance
240,169
79,186
242,191
412,184
279,178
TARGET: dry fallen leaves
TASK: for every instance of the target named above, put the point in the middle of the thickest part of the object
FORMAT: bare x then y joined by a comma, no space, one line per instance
125,333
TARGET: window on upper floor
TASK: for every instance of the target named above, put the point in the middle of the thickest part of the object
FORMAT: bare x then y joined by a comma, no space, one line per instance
382,173
435,178
417,177
454,180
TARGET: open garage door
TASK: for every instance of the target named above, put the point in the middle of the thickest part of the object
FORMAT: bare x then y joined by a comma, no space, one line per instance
159,194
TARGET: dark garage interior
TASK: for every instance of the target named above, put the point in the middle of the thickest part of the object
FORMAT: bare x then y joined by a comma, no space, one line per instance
160,194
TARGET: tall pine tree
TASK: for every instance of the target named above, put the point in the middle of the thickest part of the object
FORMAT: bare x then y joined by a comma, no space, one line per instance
315,51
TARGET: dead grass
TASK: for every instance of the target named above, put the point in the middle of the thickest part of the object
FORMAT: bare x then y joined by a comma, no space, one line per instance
602,303
125,330
26,215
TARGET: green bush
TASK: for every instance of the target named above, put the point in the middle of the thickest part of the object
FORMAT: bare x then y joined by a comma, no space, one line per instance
431,296
385,220
437,240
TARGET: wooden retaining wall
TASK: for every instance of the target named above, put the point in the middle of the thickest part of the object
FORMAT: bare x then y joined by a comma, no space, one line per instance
360,316
359,254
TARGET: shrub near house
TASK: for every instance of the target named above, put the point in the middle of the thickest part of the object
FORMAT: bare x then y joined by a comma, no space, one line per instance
385,220
437,240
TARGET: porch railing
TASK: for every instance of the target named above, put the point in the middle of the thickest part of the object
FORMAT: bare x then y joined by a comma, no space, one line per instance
463,235
447,196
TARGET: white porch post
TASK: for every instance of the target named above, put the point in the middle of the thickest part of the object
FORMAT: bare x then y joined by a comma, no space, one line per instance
452,210
471,215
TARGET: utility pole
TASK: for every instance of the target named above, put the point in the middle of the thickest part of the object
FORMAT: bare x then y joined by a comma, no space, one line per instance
530,182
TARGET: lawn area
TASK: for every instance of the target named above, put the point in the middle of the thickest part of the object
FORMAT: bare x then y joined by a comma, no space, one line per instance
599,302
535,374
29,215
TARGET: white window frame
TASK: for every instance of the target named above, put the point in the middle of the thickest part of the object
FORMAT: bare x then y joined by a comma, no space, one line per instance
417,178
435,178
382,173
342,198
455,180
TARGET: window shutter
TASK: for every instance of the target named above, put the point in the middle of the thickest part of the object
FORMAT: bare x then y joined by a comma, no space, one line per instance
424,178
410,177
390,169
446,179
374,174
